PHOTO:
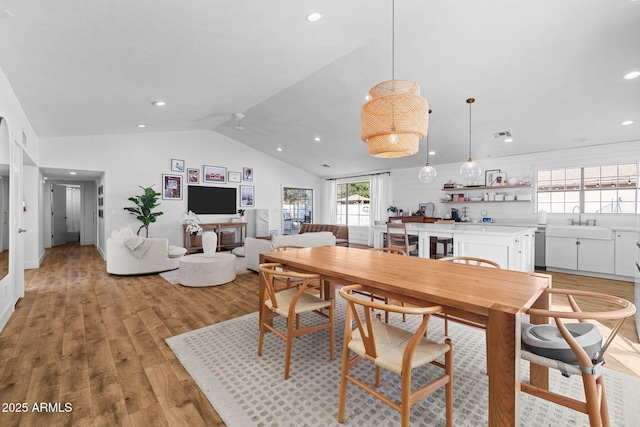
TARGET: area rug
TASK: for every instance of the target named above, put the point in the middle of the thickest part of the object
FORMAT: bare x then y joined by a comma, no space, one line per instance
249,390
173,276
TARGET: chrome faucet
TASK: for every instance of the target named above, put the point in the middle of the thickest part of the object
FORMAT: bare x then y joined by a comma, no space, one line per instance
579,216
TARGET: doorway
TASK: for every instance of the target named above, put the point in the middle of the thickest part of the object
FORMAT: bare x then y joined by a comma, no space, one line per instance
72,209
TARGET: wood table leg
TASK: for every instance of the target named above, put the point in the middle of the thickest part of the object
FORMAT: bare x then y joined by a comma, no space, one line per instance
503,365
538,374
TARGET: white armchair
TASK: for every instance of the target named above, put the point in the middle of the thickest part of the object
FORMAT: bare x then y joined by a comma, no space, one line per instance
130,254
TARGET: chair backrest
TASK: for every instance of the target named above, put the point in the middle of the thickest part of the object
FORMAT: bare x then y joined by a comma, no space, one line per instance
389,250
397,235
269,272
625,310
471,261
364,320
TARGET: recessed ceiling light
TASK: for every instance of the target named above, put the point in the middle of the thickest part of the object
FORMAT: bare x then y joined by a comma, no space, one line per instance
432,153
508,140
141,125
159,103
279,149
314,17
72,173
627,123
316,139
46,177
632,75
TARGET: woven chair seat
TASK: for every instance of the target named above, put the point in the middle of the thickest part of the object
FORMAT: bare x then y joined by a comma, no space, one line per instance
306,302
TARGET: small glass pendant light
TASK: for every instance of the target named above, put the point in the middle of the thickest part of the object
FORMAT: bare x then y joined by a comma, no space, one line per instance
470,170
427,173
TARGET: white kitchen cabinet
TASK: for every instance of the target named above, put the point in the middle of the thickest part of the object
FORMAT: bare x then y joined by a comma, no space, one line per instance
588,255
626,253
561,252
596,255
525,244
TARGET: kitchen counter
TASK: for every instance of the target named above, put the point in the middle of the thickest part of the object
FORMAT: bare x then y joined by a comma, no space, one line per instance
511,247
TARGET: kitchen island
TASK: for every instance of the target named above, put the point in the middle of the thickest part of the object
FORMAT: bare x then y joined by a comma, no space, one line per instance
511,247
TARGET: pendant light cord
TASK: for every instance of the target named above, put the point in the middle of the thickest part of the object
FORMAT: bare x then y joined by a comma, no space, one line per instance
469,131
393,39
470,101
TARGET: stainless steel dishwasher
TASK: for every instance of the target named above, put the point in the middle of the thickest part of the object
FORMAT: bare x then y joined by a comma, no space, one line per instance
540,249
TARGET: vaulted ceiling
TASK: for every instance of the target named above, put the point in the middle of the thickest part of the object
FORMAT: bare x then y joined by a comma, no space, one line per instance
549,72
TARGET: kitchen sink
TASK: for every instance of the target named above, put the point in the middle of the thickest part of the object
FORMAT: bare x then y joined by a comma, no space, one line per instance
580,231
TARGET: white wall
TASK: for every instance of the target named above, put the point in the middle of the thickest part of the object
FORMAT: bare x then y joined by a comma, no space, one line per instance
140,159
18,124
407,191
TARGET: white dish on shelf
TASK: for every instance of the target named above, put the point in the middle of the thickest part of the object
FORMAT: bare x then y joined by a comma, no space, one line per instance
475,199
523,197
509,198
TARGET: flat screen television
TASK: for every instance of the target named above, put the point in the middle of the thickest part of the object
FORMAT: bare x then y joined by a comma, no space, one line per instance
211,200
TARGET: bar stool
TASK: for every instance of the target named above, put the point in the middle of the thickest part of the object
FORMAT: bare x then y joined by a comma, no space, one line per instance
445,241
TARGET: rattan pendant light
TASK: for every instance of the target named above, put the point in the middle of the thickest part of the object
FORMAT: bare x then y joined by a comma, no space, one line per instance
427,173
394,119
470,170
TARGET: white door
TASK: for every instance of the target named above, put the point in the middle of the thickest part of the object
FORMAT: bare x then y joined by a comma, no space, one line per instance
58,214
16,254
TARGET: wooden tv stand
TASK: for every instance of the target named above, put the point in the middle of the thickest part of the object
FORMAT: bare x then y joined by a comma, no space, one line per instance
193,242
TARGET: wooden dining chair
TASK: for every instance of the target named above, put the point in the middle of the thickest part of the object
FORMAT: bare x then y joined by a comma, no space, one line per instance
394,349
589,361
313,284
397,238
481,262
291,303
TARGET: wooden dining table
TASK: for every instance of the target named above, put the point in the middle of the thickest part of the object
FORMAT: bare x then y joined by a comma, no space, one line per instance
493,297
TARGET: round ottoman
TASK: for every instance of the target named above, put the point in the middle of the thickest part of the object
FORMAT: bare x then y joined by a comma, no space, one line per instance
197,270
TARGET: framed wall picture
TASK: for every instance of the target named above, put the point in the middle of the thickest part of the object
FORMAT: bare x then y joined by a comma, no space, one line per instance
172,187
247,174
499,179
216,174
193,176
177,165
234,176
247,196
488,177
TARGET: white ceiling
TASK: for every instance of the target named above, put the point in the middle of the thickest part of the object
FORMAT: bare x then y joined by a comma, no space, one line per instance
549,71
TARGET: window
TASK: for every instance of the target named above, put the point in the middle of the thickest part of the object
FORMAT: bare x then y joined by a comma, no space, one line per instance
297,208
594,189
353,204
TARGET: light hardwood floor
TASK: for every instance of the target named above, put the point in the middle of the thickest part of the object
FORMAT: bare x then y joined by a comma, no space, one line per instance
96,341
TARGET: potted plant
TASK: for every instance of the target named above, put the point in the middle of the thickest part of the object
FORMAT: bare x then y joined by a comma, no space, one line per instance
192,221
241,213
392,209
145,203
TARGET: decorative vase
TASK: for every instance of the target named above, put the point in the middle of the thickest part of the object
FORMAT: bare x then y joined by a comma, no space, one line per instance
209,243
